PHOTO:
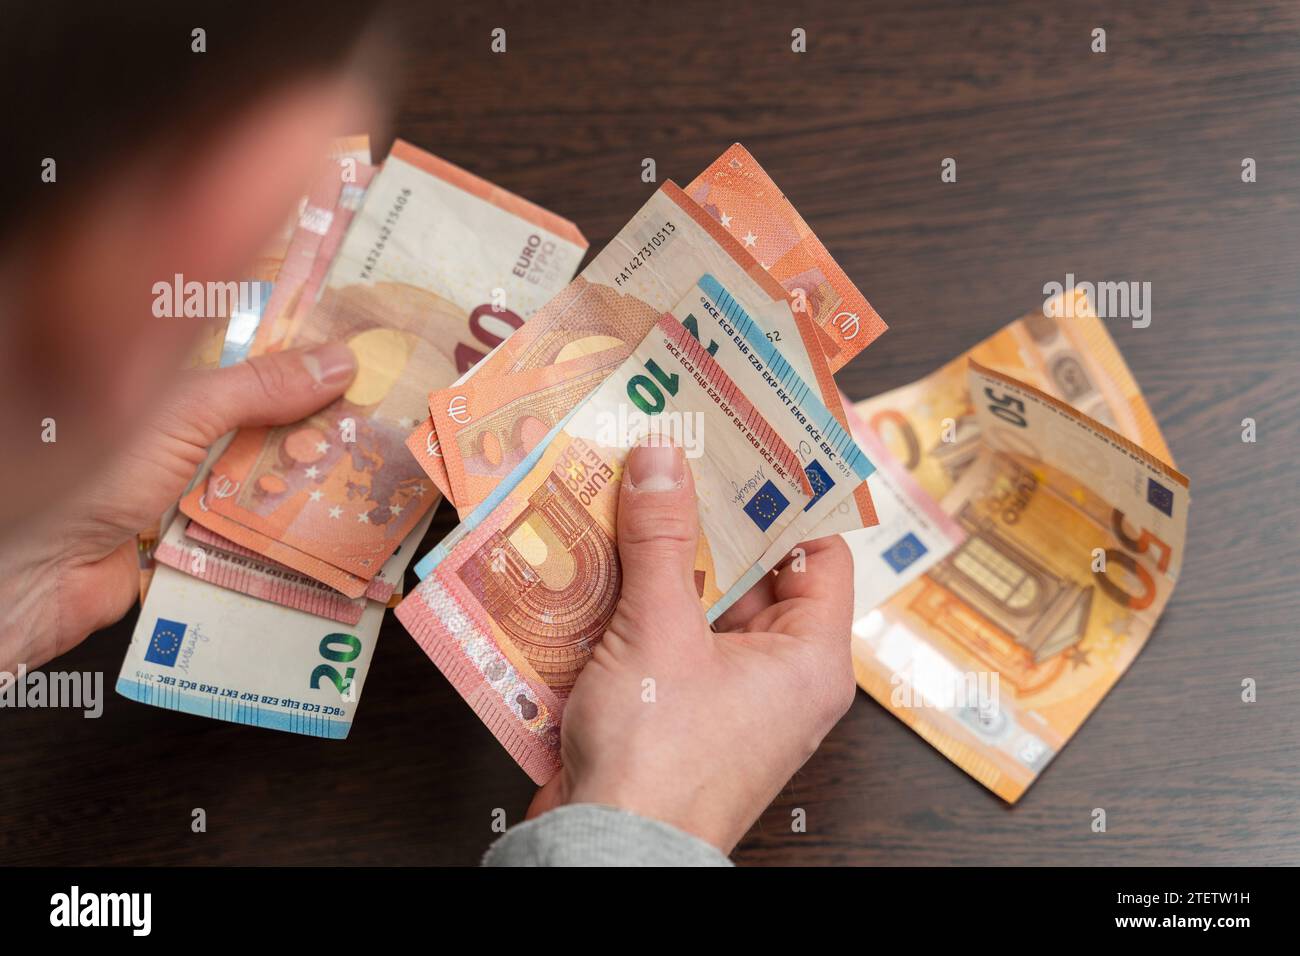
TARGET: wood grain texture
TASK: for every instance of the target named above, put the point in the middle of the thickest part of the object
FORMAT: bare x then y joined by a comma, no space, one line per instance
1122,166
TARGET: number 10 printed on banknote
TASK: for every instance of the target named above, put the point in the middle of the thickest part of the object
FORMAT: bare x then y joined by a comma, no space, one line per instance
514,601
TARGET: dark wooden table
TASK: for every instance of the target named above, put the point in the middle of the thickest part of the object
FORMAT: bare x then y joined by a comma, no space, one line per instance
1122,166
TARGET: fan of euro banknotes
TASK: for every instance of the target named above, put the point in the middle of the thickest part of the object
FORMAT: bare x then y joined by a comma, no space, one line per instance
1015,525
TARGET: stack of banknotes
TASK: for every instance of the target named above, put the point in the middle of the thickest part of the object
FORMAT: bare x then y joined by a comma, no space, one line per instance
266,588
715,318
493,377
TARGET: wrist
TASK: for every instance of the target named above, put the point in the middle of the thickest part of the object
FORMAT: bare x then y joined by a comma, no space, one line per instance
695,811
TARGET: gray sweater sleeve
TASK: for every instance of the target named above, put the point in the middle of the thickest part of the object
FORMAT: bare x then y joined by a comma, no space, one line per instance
586,834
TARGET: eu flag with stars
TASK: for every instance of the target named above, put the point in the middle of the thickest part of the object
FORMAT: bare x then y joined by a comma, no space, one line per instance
1160,497
166,642
820,480
766,505
903,552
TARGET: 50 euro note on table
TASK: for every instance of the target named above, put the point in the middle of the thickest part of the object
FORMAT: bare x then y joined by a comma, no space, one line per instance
925,435
1074,535
653,261
930,426
514,600
410,291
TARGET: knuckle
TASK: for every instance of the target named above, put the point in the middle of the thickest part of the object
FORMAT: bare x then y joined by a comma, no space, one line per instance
666,525
201,422
269,376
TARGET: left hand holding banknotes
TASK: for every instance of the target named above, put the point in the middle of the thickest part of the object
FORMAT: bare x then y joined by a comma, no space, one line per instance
78,571
698,729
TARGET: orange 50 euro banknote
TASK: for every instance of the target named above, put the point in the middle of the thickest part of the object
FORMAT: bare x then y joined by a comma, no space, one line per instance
1072,536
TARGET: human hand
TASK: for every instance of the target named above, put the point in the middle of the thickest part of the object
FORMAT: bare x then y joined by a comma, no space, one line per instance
734,713
74,569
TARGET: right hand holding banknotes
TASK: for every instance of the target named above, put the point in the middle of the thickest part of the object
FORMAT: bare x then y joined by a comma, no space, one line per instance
675,722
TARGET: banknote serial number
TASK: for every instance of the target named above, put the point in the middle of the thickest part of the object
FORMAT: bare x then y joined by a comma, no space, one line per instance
400,203
642,255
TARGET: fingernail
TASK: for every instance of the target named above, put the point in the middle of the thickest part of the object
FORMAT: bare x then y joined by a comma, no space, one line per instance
654,467
330,365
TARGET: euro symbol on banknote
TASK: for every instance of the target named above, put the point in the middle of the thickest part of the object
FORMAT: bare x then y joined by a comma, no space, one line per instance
848,323
458,411
223,487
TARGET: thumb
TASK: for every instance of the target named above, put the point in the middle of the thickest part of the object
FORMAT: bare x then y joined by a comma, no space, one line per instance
272,389
658,527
